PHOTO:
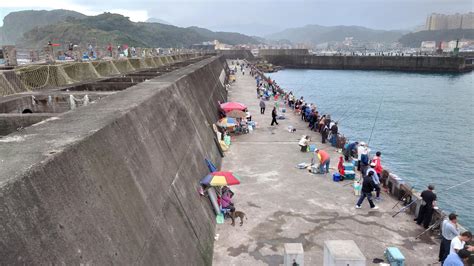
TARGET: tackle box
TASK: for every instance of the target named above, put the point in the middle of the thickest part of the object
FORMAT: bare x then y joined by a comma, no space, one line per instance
349,175
348,167
394,256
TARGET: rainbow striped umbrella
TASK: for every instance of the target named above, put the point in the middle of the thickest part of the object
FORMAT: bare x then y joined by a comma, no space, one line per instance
217,179
227,122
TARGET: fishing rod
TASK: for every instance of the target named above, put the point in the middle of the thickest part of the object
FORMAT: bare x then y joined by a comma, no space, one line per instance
451,187
376,117
437,223
344,116
444,190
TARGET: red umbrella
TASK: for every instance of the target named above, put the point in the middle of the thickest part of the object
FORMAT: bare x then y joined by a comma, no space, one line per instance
229,106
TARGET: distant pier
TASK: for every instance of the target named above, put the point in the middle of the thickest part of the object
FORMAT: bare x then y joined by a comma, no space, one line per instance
300,58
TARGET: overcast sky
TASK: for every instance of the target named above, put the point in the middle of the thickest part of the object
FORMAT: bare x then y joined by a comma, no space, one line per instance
263,15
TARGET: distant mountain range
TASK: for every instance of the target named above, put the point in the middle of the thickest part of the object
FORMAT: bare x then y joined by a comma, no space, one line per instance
316,34
33,29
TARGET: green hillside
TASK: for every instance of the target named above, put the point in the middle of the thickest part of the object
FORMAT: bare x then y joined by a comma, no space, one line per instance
16,24
316,34
117,29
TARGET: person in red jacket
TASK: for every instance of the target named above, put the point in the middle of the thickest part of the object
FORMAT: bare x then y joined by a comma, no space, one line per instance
340,166
378,163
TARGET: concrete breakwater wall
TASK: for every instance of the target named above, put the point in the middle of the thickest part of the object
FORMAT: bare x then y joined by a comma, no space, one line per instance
398,63
37,77
236,54
116,182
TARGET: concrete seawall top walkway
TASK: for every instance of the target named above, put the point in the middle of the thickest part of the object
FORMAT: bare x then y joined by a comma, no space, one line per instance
287,205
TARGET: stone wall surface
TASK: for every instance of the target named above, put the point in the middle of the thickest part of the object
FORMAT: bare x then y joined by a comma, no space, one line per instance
40,77
267,52
236,54
402,63
116,182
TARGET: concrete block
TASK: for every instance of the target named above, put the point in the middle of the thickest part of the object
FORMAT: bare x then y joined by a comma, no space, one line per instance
343,253
294,254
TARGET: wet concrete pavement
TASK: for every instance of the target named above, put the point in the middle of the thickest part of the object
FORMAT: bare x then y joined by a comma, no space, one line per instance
288,205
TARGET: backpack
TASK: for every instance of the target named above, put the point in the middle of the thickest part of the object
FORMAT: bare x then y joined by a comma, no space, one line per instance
364,159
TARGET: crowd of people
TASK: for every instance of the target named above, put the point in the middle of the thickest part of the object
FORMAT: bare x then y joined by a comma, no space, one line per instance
453,250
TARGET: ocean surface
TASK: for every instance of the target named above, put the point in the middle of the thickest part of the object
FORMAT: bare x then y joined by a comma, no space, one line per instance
424,129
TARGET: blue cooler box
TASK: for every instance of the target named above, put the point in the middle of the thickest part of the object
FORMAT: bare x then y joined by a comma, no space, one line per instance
312,147
394,257
336,177
349,175
348,167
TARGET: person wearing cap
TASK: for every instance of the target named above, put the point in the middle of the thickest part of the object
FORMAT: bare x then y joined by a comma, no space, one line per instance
334,130
324,160
376,179
449,230
362,157
426,211
367,188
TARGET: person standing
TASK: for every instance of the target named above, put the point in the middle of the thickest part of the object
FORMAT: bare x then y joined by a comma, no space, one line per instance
449,230
426,210
262,106
334,132
367,188
303,111
324,133
274,116
376,179
363,157
378,163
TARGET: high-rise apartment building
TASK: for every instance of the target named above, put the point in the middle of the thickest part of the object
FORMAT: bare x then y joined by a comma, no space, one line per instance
456,21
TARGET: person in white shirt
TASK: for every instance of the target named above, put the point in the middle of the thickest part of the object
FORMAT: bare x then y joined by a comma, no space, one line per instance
304,142
362,157
458,242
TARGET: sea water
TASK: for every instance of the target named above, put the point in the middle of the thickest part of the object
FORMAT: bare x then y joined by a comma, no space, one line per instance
424,129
